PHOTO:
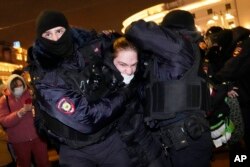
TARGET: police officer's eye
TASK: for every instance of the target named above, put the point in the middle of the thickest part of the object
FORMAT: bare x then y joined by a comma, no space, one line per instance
61,31
46,35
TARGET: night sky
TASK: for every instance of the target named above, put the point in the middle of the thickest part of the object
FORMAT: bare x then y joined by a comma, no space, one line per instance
17,17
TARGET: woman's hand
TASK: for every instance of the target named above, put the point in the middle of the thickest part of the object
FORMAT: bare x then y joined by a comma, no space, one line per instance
233,93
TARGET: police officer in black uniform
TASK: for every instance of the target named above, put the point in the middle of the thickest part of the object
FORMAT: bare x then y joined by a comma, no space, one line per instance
219,113
63,77
176,95
236,70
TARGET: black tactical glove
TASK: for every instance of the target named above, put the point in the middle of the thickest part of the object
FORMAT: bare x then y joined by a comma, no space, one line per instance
95,78
131,90
114,76
103,80
152,123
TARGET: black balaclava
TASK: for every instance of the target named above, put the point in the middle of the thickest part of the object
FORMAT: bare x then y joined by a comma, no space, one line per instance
55,51
180,19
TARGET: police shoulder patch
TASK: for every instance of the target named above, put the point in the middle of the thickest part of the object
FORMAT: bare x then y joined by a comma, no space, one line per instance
66,105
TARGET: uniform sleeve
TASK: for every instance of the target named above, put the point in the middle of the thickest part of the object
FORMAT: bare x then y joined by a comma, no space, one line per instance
150,37
238,65
72,108
244,59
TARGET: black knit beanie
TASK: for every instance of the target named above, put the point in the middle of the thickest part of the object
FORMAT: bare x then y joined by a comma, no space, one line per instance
49,19
212,30
180,19
54,52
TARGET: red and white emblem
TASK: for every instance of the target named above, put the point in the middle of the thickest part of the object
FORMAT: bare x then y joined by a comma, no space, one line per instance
66,106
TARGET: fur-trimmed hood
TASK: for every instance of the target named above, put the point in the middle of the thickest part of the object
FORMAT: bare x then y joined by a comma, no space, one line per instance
11,78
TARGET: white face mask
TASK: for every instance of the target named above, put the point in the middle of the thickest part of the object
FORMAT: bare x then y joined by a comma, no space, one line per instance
18,91
127,78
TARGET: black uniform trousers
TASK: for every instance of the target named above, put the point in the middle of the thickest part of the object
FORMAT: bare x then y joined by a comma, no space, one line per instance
197,154
109,153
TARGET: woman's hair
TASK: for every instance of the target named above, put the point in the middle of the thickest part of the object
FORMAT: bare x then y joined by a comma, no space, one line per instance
123,44
13,83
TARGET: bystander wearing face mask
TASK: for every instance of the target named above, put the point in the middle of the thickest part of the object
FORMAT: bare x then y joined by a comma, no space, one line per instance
18,91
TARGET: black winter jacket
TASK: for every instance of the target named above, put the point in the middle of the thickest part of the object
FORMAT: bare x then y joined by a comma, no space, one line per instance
174,52
60,91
